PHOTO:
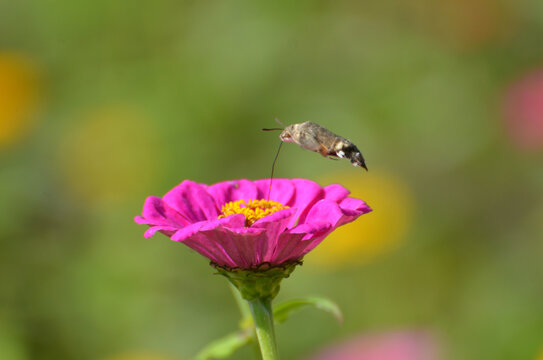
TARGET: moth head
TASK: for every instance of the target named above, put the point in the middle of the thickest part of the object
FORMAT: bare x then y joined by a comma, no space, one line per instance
286,134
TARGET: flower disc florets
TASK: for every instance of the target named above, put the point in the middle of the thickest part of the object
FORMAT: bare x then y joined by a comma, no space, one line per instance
253,210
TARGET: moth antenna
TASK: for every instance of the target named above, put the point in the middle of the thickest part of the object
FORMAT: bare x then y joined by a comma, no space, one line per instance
272,129
273,168
279,122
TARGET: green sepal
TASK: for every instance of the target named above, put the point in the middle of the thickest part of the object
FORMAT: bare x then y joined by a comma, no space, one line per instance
282,311
224,347
262,282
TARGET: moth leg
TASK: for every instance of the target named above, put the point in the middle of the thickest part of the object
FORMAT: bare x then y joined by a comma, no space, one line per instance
323,150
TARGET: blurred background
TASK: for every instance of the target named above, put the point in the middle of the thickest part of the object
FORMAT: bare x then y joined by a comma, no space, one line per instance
103,103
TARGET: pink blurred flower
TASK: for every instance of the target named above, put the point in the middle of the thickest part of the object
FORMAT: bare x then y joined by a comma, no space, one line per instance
524,111
405,345
213,221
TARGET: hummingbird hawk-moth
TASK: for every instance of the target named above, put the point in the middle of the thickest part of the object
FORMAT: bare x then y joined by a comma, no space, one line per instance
314,137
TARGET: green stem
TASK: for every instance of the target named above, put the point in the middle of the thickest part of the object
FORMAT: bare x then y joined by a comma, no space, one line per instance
265,332
243,306
246,316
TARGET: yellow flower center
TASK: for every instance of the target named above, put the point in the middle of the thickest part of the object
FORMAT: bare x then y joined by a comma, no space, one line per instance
252,209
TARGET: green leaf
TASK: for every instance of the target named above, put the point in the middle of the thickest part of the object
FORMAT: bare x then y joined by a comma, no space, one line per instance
224,347
282,311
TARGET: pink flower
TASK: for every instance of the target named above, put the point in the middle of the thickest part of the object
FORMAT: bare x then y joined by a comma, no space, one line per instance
405,345
524,111
214,221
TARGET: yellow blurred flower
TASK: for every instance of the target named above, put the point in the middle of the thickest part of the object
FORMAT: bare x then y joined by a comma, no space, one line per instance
19,90
375,233
540,357
110,155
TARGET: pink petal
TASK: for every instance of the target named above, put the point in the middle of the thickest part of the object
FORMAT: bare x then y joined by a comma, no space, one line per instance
335,192
244,245
313,242
289,247
225,241
166,230
226,247
192,201
140,220
325,210
211,248
282,190
274,224
336,215
244,189
233,190
352,208
307,194
233,221
221,192
292,244
157,212
210,239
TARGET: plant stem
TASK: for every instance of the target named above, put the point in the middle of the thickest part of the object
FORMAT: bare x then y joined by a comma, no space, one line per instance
265,332
243,306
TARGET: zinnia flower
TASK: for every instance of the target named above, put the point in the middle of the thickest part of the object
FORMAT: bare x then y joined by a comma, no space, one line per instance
236,226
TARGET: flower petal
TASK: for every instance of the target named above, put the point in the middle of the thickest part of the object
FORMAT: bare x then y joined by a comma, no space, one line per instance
192,201
335,192
157,212
208,238
337,215
166,230
233,221
282,190
233,190
244,245
209,245
221,192
228,248
274,224
292,244
307,194
352,208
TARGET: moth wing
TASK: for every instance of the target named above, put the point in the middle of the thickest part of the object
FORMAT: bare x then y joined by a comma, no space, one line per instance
310,142
306,141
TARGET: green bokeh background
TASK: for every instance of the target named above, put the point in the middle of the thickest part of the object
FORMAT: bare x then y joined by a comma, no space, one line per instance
187,86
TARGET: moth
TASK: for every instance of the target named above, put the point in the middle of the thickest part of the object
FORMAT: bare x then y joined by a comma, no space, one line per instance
314,137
